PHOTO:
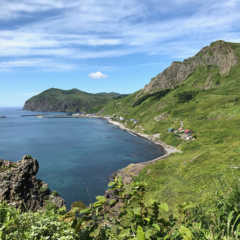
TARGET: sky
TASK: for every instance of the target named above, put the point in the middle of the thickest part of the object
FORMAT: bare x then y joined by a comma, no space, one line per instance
103,45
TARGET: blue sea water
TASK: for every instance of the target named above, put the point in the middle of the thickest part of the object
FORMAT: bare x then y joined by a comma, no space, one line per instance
76,156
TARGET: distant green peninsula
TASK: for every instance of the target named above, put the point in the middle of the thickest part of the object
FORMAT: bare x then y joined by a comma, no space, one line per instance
74,100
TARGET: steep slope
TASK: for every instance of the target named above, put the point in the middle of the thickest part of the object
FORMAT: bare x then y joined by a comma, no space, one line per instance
193,194
57,100
208,103
219,54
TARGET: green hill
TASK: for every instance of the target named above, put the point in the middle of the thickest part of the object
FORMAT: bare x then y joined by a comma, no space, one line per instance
207,101
74,100
201,94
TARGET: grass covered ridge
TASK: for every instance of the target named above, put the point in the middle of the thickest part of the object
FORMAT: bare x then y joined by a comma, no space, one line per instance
209,104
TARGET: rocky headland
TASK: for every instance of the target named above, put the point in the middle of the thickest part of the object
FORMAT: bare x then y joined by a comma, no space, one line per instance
19,186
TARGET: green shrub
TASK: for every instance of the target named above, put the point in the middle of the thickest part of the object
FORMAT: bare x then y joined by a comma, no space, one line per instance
148,219
186,96
41,225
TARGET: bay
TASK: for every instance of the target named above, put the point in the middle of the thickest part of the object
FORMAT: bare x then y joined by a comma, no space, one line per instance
76,156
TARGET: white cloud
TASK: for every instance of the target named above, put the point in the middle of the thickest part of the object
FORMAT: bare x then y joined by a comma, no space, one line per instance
92,29
37,64
97,75
14,9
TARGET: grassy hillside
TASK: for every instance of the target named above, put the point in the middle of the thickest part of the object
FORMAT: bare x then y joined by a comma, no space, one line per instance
135,219
57,100
213,113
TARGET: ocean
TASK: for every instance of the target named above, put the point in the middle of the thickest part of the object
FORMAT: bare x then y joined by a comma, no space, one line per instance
76,156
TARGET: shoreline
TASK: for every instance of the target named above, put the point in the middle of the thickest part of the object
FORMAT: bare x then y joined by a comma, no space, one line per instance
132,170
167,148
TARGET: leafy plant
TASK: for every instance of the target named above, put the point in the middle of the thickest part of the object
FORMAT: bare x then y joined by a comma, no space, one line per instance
41,225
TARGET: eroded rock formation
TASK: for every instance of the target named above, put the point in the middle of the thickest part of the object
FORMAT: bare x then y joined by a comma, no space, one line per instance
20,187
219,53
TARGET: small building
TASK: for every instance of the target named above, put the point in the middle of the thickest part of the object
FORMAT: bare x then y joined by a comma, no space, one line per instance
181,130
134,120
188,131
121,118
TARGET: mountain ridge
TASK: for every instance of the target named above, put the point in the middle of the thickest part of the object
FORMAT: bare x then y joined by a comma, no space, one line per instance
218,54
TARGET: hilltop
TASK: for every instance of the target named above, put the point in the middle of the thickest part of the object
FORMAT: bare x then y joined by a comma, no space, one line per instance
74,100
219,54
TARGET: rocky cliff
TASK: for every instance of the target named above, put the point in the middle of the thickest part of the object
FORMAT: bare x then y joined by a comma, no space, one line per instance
219,53
20,187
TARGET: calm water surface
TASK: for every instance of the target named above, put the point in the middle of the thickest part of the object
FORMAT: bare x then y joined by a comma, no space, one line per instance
76,156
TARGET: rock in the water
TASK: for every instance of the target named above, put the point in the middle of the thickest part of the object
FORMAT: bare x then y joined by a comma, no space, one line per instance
20,187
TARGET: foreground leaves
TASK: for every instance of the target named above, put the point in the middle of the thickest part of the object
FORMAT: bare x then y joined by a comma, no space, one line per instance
42,225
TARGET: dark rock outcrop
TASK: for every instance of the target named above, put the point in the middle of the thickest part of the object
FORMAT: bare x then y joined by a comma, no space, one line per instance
219,53
20,187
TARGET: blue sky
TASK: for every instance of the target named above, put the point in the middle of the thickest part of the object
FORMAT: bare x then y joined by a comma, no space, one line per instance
102,45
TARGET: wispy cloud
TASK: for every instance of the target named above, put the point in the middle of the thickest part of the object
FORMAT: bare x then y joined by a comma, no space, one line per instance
92,29
14,9
36,64
97,75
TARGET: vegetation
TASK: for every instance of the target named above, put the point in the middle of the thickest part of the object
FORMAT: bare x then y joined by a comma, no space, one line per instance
42,225
138,219
133,218
57,100
186,96
157,95
209,104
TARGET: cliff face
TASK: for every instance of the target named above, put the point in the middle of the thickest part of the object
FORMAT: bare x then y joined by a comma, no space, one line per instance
20,187
220,54
57,100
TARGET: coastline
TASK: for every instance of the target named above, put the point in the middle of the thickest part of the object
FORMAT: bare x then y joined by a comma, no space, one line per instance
132,170
167,148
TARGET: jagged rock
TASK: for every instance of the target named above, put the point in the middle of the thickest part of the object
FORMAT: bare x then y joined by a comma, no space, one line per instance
219,53
20,187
